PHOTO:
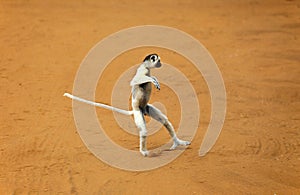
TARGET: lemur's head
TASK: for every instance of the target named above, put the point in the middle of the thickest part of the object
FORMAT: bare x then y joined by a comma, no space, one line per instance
152,61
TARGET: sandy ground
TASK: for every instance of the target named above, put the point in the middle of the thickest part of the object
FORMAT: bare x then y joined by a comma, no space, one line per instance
255,44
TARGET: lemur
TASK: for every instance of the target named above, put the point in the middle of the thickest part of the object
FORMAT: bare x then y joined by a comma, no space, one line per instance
141,91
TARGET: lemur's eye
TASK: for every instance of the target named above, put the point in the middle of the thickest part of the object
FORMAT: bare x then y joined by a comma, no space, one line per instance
153,58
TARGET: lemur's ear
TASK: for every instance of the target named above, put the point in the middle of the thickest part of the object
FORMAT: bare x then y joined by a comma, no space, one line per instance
152,57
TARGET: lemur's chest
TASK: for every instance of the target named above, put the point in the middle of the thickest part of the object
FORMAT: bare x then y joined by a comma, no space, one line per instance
146,87
141,93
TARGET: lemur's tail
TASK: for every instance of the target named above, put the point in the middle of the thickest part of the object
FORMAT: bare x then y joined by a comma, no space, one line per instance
126,112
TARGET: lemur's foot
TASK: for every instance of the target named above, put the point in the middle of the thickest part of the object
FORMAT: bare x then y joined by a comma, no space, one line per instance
144,152
180,143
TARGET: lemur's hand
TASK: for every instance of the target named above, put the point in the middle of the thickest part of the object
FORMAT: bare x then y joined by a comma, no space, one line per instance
156,83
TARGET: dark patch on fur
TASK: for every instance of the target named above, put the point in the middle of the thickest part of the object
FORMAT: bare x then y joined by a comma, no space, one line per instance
147,58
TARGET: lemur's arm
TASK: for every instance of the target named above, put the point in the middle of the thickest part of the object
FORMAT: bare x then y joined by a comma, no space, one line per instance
137,80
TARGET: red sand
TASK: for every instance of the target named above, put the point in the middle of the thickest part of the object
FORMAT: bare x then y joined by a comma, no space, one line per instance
255,44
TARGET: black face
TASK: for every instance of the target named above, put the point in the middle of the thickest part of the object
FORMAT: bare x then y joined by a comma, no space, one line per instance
154,59
158,64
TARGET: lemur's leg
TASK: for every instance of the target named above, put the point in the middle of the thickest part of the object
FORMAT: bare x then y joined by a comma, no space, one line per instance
159,116
141,125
